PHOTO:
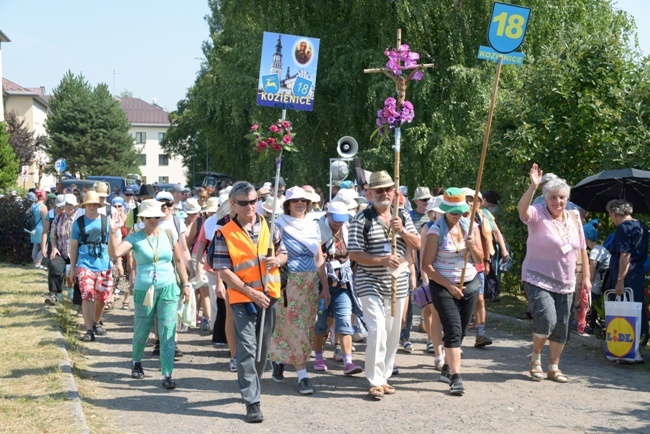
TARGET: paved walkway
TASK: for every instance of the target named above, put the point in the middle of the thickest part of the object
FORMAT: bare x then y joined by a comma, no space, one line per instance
500,396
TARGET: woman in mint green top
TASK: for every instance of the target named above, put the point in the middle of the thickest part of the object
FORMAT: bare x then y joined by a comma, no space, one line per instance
153,251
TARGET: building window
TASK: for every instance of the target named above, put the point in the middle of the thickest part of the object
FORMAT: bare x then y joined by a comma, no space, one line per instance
163,180
140,138
143,159
144,180
161,136
163,160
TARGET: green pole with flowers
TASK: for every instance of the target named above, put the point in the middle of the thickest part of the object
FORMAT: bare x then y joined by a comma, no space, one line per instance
276,139
394,114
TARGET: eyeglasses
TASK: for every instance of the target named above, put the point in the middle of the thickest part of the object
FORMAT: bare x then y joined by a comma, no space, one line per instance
383,190
246,202
119,206
149,218
168,204
298,200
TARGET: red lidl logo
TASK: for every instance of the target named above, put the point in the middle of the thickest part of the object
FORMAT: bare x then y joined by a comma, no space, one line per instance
620,336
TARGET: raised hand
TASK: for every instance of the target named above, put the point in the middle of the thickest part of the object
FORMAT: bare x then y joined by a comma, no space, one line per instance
535,175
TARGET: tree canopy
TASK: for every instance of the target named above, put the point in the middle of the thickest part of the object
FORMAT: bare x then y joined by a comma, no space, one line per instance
9,167
89,129
578,105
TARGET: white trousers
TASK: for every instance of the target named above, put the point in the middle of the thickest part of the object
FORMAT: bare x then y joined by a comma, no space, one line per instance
383,337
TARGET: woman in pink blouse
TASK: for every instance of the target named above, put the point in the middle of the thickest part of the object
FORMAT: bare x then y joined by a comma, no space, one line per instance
555,243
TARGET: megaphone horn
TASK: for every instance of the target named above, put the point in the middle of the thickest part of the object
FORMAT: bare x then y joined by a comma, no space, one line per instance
347,147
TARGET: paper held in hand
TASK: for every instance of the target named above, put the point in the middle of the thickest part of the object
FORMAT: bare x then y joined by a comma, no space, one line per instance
396,271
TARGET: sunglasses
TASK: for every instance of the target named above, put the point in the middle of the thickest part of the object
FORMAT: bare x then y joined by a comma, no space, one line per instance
298,200
128,195
168,204
423,200
246,202
455,214
149,218
383,190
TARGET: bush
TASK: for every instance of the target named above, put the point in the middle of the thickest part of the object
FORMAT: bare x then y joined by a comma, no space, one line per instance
15,246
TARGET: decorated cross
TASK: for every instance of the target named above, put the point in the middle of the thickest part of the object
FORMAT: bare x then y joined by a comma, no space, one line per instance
395,113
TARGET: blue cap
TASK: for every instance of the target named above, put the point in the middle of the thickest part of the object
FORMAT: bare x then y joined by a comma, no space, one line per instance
128,191
346,184
590,230
31,197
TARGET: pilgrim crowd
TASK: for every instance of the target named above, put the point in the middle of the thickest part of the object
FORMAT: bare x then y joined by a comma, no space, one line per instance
275,272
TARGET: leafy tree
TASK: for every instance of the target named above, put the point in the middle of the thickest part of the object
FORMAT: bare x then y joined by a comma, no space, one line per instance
8,162
88,128
20,138
126,94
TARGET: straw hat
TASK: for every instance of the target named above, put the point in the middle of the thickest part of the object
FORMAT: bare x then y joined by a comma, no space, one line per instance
263,193
268,205
92,197
150,208
101,188
192,206
211,205
380,179
422,193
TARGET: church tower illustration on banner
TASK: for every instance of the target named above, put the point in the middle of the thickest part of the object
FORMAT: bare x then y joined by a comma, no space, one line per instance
276,65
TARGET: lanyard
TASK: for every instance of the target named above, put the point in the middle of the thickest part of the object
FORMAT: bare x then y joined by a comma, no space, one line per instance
155,251
564,235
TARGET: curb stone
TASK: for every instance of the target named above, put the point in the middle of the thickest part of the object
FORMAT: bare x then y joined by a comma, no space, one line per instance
69,385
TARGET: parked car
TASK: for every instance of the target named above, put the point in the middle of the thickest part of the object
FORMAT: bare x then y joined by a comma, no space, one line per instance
113,181
80,183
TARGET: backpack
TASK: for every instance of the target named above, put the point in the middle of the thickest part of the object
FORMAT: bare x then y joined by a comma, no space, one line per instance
29,222
95,248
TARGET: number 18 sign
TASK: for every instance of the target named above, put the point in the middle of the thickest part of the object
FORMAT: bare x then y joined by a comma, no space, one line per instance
506,33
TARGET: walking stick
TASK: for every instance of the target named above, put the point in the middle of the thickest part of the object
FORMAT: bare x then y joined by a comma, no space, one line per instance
269,252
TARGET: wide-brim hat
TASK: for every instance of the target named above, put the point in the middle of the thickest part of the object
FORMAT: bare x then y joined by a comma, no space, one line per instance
312,193
267,205
212,205
150,208
191,206
422,193
434,204
263,193
380,180
346,197
472,193
91,197
453,201
223,210
297,193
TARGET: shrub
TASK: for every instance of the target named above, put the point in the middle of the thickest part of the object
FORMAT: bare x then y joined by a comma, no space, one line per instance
15,245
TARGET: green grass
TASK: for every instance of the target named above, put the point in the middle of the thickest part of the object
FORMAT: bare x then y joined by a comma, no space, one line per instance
511,304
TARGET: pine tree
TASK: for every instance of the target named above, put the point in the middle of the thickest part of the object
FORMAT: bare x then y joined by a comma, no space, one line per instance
20,138
89,129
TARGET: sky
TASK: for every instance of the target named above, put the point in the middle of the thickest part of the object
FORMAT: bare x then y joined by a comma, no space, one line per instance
151,48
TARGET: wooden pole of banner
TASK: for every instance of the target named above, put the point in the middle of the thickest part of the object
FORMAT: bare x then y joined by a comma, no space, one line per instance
400,87
269,252
486,139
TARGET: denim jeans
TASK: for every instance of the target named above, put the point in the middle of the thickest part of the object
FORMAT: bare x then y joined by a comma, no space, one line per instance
340,309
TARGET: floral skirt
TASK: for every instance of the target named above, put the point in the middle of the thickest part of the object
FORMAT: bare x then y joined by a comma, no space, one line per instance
293,336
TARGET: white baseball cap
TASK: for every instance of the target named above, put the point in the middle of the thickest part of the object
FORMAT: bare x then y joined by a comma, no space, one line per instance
338,211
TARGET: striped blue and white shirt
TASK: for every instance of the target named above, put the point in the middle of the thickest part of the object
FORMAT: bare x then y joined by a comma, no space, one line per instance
375,280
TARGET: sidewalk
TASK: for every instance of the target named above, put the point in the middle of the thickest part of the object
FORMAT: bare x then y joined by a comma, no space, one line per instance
500,396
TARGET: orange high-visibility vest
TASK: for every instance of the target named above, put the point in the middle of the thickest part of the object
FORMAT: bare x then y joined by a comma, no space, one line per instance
246,260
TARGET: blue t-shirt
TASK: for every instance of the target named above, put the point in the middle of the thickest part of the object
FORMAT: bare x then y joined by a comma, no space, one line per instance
94,255
35,238
143,252
631,237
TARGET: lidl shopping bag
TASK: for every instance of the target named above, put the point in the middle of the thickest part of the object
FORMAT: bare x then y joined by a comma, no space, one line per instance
623,318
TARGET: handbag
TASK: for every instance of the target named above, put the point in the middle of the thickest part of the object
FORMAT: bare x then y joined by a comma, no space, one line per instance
623,327
422,296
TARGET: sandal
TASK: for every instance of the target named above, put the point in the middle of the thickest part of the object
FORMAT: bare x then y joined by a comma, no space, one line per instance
535,371
388,389
125,305
376,392
558,376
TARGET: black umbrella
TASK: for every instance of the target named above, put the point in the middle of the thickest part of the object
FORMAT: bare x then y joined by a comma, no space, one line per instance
593,192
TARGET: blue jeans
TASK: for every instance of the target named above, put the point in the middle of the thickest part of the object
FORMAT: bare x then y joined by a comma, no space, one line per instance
341,309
